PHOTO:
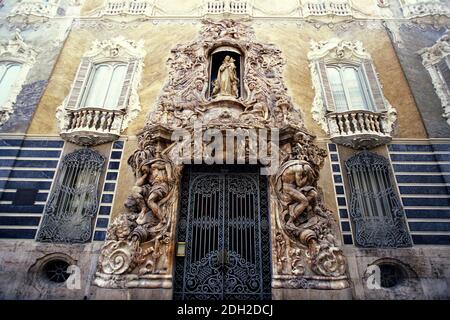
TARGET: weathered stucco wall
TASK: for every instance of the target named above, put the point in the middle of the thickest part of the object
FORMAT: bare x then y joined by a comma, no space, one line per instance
294,42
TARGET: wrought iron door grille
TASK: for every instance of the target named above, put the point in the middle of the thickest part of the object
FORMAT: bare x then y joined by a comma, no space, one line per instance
224,222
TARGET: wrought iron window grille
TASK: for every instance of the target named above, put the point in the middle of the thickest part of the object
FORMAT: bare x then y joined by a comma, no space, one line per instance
70,211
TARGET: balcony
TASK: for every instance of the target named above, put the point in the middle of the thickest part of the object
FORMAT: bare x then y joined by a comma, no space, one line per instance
359,129
92,126
425,8
232,7
132,7
327,8
36,8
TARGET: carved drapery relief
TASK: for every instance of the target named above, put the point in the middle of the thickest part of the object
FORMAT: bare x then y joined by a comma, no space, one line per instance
139,248
93,125
433,59
15,50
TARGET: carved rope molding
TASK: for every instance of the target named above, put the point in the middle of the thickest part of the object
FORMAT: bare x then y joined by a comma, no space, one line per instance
337,50
16,50
139,249
71,118
431,57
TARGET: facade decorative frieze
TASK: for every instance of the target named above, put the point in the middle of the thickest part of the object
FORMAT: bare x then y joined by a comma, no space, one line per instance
422,8
139,250
16,50
358,128
92,125
436,60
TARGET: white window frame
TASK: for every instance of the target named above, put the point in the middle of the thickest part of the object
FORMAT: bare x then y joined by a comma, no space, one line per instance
16,50
116,49
431,57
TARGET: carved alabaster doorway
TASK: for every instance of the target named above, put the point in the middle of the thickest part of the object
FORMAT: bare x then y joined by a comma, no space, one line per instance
141,248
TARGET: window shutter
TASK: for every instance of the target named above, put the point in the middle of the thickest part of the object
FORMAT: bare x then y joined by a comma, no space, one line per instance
79,83
374,85
125,94
444,71
326,89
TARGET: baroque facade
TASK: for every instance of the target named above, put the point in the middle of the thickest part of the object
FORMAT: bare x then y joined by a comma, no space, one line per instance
225,149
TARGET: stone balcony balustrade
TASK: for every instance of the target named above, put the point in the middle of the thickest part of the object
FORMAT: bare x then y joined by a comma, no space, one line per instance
92,126
327,8
234,7
133,7
359,129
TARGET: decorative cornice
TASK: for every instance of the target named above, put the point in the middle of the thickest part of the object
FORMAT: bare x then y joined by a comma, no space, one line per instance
430,58
17,49
435,53
116,47
338,49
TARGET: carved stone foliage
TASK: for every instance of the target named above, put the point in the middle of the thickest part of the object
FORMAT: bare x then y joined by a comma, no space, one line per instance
93,125
139,248
434,60
16,51
353,128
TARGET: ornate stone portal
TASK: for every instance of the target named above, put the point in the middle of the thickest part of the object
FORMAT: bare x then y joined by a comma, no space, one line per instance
139,250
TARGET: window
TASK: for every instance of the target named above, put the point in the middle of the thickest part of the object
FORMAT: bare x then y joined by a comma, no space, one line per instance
103,98
349,88
56,271
105,85
73,204
9,72
375,208
349,103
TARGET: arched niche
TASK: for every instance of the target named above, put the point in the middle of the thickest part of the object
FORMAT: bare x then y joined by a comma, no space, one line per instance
217,58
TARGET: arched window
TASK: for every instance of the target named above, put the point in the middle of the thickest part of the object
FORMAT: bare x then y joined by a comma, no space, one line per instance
73,203
105,85
375,208
349,88
9,71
